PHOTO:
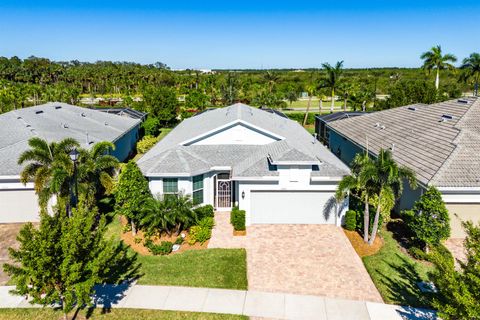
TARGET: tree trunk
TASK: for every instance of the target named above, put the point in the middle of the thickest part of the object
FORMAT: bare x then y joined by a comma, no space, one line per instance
333,101
345,104
437,79
320,105
364,105
366,220
134,228
308,110
375,222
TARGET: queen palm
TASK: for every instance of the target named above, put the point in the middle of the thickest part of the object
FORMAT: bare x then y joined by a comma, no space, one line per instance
435,60
471,70
310,88
360,186
46,167
386,178
332,79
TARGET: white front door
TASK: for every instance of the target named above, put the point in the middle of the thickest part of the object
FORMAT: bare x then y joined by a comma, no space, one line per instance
224,194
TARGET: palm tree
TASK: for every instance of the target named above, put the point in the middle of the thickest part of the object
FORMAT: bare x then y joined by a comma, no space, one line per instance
471,70
387,180
310,88
434,59
332,80
47,164
271,78
360,186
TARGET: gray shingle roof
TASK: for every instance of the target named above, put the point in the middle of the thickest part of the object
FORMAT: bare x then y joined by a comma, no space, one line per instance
55,121
442,153
293,144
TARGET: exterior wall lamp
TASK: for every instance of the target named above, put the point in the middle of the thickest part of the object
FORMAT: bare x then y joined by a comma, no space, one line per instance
243,195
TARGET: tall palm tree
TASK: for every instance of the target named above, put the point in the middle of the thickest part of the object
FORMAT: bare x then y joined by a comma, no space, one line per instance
435,60
358,185
46,167
271,78
387,178
471,70
310,88
333,78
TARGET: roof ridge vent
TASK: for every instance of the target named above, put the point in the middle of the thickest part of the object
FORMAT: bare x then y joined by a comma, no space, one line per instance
446,117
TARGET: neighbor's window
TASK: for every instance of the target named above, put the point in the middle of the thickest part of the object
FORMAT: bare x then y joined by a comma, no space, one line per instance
170,186
198,189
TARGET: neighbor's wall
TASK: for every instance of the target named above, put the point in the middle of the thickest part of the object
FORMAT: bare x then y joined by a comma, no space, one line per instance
459,212
126,144
18,202
343,148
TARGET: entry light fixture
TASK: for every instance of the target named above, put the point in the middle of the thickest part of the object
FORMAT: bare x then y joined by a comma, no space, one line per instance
243,195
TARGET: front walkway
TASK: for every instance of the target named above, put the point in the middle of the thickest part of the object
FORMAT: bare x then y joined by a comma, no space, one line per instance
249,303
299,259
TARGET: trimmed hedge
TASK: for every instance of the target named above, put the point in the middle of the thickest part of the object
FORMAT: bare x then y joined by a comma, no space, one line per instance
204,211
237,219
351,220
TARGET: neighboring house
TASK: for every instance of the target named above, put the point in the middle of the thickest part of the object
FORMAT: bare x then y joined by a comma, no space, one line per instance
52,122
123,112
440,142
321,122
266,164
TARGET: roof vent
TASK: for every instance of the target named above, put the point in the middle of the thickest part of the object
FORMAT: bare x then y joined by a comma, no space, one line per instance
83,114
412,108
446,117
19,118
58,107
38,111
382,127
462,101
106,123
27,125
377,125
65,126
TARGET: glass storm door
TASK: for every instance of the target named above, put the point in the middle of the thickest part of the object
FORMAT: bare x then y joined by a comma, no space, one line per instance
224,194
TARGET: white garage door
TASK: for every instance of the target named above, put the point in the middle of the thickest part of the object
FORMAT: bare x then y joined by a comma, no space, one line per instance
292,207
18,206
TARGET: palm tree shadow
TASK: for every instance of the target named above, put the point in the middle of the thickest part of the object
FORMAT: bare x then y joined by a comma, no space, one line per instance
332,207
405,290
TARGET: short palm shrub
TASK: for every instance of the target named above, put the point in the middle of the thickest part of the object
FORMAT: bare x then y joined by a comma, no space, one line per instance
237,219
165,247
351,220
146,143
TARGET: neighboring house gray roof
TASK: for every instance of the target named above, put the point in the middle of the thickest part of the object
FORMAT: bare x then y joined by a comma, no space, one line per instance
440,142
176,154
55,121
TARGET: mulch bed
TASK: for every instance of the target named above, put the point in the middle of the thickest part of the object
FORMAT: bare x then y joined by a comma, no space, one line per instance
129,239
362,248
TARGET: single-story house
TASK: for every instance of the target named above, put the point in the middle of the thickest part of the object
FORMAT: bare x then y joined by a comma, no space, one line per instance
52,121
266,164
440,142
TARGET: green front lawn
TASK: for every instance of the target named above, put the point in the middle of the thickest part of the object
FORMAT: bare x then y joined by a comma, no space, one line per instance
212,268
395,274
124,314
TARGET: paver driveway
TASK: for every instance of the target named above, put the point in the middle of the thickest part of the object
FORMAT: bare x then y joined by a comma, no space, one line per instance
300,259
8,235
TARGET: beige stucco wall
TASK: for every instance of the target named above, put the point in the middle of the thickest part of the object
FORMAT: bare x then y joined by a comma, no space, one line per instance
18,206
464,212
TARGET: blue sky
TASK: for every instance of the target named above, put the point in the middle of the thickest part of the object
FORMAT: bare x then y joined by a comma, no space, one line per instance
247,34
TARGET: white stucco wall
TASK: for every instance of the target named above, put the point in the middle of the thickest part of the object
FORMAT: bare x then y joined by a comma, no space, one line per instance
237,134
18,202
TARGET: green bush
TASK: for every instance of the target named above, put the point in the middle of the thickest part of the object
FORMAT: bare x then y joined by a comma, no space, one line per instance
429,220
417,253
204,211
351,220
165,247
199,234
207,222
179,240
146,143
299,116
151,126
237,219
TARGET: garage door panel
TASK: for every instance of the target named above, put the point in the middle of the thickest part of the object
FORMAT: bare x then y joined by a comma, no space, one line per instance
292,207
18,206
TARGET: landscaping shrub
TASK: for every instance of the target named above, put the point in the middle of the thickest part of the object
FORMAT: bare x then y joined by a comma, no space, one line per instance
204,211
151,126
351,220
429,220
179,240
237,219
165,247
417,253
146,143
199,234
206,222
299,116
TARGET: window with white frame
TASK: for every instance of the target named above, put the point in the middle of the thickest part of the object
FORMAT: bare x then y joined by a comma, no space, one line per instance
197,189
170,186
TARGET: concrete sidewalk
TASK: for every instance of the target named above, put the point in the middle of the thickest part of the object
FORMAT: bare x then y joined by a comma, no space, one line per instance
249,303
